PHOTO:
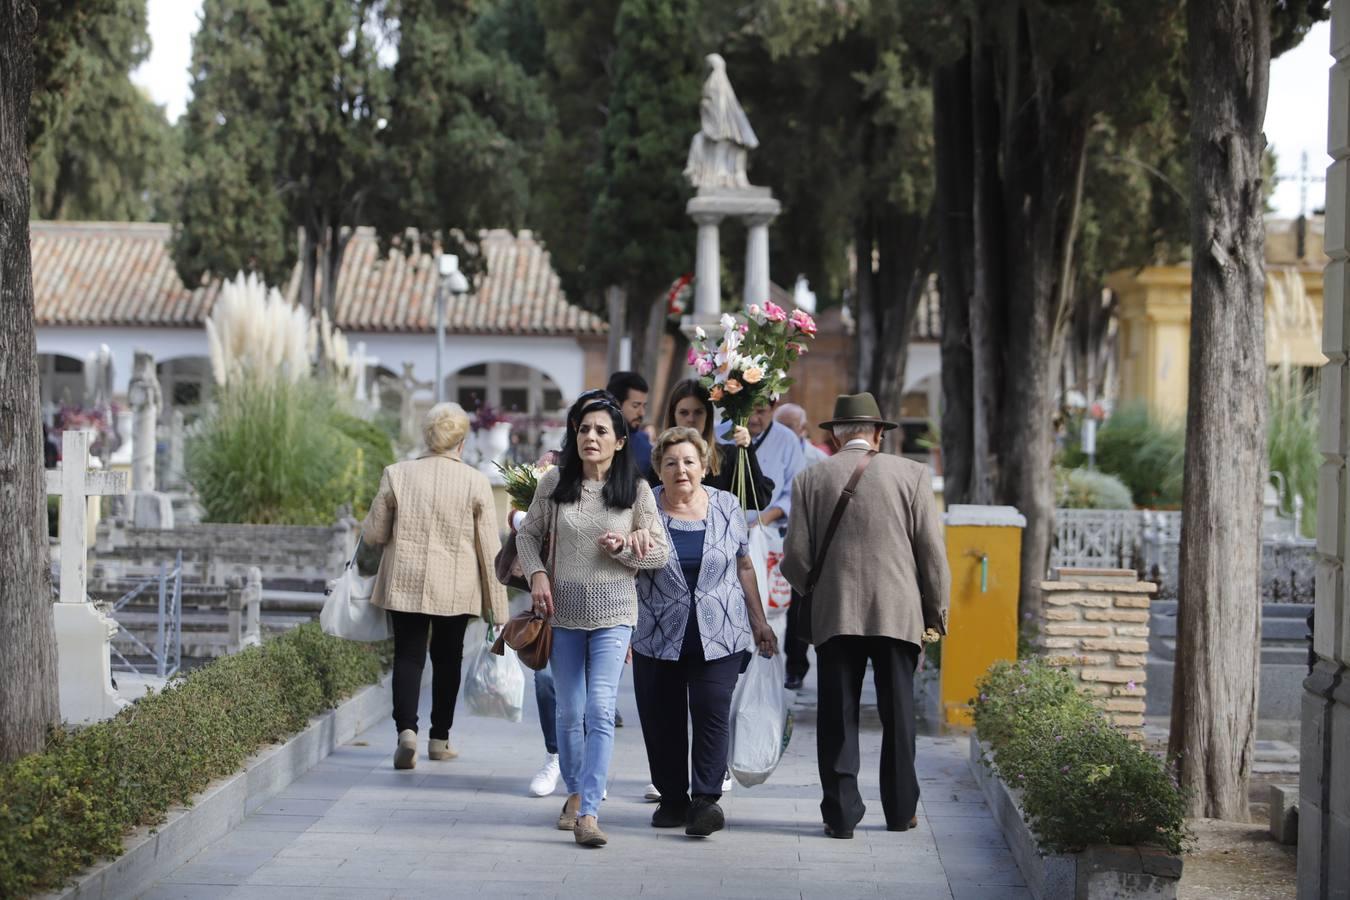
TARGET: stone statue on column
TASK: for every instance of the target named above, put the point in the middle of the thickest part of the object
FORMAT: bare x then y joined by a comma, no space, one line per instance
717,154
716,167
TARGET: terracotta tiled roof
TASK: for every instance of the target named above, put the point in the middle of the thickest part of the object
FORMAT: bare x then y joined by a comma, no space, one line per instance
120,273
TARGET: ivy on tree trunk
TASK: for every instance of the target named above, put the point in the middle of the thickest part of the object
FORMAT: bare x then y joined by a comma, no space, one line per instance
28,692
1214,693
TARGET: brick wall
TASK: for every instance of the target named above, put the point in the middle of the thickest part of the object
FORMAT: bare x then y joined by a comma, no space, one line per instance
1096,625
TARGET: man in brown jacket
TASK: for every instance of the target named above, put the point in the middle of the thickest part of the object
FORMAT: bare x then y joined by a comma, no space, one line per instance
881,591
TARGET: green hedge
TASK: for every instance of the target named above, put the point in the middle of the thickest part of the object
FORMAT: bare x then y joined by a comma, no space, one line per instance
1082,780
65,808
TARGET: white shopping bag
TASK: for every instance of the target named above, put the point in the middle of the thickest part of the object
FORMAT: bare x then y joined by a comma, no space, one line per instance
761,720
348,612
494,686
766,553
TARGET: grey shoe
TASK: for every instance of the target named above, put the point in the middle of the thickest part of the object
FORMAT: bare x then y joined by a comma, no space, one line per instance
405,754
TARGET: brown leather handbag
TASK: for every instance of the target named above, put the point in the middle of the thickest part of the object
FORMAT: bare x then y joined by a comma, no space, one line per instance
530,635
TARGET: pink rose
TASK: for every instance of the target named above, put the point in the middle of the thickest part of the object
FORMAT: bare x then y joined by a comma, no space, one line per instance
703,365
692,357
733,386
754,310
773,312
744,329
803,322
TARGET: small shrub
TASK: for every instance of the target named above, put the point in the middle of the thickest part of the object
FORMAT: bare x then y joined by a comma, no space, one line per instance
1082,780
1087,489
1147,455
275,452
63,809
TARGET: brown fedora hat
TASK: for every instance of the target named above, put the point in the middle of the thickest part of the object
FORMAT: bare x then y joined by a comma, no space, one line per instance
857,409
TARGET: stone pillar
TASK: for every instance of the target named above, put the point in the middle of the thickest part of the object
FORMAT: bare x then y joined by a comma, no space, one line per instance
1096,626
144,397
177,467
708,269
757,260
1324,757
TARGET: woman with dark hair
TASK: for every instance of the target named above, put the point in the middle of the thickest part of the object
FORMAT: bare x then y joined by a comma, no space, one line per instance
690,406
605,527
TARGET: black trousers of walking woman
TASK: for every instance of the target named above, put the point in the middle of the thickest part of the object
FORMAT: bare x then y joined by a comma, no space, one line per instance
411,645
841,664
670,693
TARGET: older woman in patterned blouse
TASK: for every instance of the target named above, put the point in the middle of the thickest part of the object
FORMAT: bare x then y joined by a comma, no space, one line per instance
698,616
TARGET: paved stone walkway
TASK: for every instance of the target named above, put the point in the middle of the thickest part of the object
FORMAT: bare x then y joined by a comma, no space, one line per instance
353,827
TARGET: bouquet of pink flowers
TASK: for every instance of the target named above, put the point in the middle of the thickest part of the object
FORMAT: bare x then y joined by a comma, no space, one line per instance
749,367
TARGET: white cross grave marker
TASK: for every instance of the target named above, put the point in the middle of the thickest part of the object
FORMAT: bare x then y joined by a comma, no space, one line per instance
82,632
74,482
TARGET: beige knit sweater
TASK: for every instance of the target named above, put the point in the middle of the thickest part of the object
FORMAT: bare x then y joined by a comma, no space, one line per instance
592,588
436,518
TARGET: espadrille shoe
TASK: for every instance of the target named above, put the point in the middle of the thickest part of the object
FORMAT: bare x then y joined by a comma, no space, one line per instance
587,832
567,819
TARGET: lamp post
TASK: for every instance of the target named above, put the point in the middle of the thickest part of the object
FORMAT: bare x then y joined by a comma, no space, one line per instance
453,281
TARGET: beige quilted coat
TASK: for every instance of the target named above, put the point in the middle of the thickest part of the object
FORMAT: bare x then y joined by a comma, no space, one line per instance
437,519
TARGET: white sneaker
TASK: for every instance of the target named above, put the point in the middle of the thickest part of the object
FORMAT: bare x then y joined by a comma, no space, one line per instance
652,794
728,782
545,781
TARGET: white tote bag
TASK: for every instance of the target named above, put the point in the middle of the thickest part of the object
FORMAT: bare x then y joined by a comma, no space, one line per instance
766,553
761,721
494,686
348,612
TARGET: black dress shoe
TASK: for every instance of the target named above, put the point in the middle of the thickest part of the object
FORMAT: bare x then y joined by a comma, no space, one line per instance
668,815
793,683
912,823
840,833
705,817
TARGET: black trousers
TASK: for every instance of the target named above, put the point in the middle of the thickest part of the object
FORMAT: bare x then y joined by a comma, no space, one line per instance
410,656
794,646
669,693
841,663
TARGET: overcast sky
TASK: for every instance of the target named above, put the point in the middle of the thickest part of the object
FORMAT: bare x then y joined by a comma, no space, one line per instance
1296,116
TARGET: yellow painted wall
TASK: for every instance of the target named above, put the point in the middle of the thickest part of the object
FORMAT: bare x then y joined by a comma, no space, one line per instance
1154,313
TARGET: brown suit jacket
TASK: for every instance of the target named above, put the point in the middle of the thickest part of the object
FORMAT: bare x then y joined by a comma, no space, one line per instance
437,519
886,571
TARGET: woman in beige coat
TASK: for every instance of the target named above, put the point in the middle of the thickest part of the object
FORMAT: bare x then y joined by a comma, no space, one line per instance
437,519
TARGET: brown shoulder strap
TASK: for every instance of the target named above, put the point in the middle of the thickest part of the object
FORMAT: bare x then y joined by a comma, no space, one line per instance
840,505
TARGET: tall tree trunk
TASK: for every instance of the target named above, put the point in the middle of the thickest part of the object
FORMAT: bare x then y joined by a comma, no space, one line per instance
646,321
906,245
988,302
1214,693
28,696
616,305
954,146
309,268
865,290
651,341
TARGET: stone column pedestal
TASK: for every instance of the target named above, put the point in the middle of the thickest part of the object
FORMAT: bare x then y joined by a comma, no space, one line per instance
757,260
757,207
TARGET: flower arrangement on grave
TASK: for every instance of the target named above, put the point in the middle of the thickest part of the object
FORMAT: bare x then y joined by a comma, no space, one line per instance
521,481
748,368
486,418
677,298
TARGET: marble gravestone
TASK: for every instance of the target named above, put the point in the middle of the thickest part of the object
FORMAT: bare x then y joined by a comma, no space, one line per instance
716,167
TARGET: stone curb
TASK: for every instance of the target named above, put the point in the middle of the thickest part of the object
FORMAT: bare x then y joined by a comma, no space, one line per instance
152,853
1106,871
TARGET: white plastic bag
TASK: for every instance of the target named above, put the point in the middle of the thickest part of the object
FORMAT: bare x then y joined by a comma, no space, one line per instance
766,553
348,612
494,686
761,721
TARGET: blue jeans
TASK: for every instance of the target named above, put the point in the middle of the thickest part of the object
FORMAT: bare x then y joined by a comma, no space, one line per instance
586,668
546,698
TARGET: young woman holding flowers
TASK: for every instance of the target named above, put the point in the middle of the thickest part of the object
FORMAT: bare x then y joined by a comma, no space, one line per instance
690,406
606,528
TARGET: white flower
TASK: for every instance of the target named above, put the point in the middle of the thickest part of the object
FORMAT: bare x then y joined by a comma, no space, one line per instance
700,333
728,323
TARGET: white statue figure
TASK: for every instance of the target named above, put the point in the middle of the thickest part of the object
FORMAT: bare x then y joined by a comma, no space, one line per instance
718,152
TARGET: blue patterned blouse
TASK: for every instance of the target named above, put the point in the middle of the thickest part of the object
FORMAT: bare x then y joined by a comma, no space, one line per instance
664,596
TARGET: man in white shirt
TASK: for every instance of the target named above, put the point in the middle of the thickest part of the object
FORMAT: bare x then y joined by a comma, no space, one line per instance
793,417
